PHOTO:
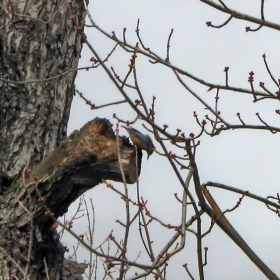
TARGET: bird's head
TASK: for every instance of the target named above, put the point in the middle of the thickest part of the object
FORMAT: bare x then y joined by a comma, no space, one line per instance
150,150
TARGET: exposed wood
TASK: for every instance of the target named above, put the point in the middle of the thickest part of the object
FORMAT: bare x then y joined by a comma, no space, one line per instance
81,162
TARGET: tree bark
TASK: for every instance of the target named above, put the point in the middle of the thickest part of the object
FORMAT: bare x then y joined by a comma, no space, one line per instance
40,45
38,40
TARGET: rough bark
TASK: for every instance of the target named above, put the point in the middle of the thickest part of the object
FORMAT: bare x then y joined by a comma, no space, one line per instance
38,40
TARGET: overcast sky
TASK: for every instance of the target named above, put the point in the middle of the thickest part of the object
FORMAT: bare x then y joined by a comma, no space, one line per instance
243,159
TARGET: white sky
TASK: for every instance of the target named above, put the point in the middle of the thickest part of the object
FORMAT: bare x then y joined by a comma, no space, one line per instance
244,159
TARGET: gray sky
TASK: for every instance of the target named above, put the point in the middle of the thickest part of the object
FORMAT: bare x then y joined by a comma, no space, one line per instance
244,159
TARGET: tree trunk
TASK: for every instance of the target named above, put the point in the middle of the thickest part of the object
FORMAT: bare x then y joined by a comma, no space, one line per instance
39,40
40,45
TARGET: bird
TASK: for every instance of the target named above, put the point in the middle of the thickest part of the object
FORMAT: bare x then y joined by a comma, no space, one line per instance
142,141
